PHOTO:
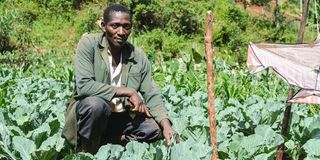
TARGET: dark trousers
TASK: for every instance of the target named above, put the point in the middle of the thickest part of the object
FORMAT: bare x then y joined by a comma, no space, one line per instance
96,123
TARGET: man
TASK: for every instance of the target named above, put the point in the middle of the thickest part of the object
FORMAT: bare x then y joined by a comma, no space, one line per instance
110,74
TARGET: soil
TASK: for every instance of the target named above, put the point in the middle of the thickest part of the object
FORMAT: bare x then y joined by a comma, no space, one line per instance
263,11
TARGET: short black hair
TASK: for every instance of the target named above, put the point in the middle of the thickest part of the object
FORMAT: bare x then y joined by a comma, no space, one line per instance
115,8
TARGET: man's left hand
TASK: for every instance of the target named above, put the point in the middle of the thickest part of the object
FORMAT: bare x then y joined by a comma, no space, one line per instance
168,131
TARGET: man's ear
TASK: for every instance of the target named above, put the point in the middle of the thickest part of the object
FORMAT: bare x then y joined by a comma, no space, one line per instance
101,24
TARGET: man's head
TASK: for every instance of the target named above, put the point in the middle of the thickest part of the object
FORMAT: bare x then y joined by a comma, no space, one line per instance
115,8
117,24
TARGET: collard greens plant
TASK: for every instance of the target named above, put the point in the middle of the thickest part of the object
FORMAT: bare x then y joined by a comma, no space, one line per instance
32,117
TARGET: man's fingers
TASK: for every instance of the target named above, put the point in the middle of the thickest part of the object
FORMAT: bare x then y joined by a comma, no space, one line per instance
135,108
171,134
131,104
168,136
142,108
134,103
168,141
147,112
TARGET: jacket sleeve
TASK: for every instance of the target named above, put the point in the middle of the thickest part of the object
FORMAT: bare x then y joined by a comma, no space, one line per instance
151,93
84,72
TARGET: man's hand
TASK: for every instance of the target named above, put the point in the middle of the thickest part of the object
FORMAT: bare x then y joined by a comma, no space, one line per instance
168,131
137,104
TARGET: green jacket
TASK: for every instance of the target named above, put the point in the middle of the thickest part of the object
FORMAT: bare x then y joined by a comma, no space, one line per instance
93,79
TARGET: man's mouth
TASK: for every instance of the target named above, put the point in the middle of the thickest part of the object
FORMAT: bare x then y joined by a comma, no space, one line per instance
120,40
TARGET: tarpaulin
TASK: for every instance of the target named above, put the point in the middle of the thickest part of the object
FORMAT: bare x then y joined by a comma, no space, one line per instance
297,64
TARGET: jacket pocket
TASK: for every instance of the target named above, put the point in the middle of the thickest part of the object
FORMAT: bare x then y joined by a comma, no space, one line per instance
134,80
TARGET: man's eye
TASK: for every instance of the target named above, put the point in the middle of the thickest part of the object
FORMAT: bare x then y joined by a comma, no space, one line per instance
114,26
127,26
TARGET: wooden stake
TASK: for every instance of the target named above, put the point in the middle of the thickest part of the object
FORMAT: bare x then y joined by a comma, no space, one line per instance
285,124
286,118
210,76
303,20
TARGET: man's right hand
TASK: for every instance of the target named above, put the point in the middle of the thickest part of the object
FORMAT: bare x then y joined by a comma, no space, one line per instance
137,105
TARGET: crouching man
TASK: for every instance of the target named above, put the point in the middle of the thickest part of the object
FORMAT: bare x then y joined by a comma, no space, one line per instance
110,73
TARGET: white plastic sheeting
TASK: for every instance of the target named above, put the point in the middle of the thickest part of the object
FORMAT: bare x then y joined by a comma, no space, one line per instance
298,65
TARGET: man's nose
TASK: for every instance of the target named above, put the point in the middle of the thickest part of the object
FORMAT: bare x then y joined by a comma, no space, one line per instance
121,31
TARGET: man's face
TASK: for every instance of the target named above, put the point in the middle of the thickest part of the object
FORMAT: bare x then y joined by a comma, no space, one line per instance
118,28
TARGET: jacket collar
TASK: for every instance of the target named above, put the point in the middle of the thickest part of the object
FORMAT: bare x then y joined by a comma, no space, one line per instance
127,51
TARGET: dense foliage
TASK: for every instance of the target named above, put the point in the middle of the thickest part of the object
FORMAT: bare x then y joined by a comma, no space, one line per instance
37,42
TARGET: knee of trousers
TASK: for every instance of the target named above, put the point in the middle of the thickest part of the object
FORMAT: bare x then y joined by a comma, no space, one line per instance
94,107
149,131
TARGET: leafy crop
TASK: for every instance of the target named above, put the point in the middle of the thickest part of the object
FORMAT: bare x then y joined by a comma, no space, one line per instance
32,116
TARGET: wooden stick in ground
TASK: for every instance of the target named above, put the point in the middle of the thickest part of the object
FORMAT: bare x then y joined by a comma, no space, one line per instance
286,118
210,76
303,20
285,124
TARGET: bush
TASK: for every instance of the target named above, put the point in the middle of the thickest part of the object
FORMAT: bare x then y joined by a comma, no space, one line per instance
159,41
56,8
182,17
15,22
234,28
88,23
7,18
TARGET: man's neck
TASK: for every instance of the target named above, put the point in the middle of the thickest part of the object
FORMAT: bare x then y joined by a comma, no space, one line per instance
116,54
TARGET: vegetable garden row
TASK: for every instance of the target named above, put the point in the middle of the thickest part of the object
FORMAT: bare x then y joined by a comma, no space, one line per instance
32,116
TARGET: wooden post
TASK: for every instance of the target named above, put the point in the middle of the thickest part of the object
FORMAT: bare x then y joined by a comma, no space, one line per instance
210,76
276,14
285,124
286,118
303,20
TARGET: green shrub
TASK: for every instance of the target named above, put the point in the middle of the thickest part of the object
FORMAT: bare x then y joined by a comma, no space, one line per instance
7,18
15,22
168,44
56,8
182,17
234,28
88,22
